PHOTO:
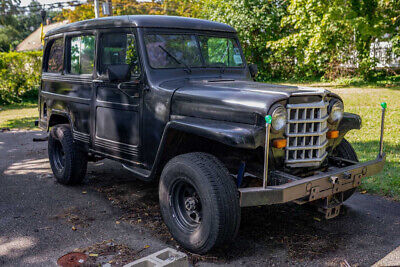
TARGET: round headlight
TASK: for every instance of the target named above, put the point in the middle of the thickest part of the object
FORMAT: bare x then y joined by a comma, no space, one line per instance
279,118
336,112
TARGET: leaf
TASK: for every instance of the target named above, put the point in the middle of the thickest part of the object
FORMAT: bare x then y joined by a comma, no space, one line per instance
84,192
147,246
363,192
117,222
317,219
93,255
73,228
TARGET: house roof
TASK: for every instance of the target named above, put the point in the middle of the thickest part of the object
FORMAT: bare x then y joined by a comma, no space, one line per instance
145,21
32,42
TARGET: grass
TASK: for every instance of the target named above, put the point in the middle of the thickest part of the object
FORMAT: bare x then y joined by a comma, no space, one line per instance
362,101
365,102
378,81
19,116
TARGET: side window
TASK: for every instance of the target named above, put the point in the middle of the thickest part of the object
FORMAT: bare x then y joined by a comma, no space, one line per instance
55,58
119,48
82,54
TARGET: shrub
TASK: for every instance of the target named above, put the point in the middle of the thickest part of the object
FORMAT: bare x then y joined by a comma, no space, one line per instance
19,76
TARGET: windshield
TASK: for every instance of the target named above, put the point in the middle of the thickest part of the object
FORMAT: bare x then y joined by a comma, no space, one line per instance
185,50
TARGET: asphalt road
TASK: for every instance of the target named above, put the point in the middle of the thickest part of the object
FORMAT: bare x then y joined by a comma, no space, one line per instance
41,220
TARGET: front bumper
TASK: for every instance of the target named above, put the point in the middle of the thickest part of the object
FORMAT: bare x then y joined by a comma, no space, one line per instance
314,187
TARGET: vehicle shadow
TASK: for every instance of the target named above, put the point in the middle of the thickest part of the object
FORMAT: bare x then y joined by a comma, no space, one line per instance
299,231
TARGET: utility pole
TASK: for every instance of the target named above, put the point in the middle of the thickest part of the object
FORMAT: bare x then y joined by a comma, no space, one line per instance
43,16
96,9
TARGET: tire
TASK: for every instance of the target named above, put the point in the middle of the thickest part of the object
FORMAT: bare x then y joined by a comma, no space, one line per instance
346,151
67,161
199,202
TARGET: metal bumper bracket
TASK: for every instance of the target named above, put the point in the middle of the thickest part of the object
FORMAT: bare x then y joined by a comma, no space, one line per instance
330,212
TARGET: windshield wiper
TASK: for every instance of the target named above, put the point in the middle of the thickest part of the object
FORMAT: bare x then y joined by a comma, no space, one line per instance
187,68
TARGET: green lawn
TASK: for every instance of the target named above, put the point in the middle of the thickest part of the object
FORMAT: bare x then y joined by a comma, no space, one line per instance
19,116
363,101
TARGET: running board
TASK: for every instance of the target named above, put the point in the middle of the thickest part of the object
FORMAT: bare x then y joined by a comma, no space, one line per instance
142,173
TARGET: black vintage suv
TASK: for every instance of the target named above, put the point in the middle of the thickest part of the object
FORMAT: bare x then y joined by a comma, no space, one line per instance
173,99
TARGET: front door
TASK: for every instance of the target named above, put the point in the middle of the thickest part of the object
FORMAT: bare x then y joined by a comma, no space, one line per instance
116,108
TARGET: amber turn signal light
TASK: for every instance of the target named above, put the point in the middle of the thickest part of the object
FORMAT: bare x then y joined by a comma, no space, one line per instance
279,143
332,134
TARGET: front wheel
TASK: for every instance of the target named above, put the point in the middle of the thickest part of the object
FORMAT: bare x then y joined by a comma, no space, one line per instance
67,161
199,202
346,151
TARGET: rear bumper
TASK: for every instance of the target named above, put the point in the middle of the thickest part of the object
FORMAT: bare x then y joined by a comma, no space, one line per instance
312,188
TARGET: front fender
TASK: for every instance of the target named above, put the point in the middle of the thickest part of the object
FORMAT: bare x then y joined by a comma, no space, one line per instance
349,122
229,133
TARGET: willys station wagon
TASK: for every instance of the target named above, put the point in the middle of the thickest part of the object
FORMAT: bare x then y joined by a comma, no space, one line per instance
174,100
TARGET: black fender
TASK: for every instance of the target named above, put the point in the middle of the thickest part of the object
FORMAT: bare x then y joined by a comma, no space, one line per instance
349,122
233,134
58,117
237,135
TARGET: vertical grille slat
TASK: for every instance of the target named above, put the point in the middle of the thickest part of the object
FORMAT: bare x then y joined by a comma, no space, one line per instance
306,134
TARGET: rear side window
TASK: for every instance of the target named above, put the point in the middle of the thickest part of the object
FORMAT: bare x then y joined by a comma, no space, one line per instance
55,58
119,48
81,60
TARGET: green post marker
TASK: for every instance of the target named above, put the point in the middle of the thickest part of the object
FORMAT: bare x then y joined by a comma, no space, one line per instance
268,120
384,106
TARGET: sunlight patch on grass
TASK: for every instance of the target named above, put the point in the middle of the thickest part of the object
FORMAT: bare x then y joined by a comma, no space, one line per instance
21,116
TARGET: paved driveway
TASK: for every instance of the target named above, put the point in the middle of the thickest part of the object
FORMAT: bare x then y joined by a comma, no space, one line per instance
41,220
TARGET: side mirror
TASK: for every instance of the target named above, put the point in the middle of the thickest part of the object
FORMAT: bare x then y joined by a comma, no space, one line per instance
119,73
253,70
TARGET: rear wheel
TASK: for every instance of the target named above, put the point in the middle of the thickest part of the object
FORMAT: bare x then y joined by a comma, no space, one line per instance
67,161
199,202
346,151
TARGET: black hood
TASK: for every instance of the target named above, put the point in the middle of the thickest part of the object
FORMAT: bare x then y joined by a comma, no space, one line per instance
228,100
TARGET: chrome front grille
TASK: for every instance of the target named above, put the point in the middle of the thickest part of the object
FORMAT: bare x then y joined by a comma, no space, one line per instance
306,134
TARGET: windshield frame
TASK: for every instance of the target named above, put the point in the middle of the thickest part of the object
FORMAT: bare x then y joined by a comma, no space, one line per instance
196,34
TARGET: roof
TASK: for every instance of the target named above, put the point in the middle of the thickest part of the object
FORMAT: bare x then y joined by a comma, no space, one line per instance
145,21
32,42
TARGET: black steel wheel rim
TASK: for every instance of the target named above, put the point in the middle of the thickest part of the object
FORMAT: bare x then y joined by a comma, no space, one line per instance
59,155
186,205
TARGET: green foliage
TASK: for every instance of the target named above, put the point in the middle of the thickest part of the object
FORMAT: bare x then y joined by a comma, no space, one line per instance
323,34
19,76
16,25
257,22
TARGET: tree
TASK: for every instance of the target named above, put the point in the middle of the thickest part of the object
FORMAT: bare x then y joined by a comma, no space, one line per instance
7,9
322,34
257,22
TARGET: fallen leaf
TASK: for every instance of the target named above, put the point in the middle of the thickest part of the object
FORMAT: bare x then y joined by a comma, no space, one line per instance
73,228
84,192
363,192
140,220
147,246
317,219
117,222
93,255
